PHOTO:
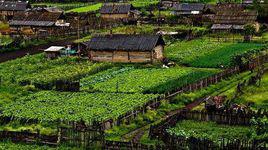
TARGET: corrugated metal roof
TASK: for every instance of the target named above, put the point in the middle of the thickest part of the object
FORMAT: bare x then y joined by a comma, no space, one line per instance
189,7
35,18
125,42
115,8
226,27
31,23
12,5
221,27
54,49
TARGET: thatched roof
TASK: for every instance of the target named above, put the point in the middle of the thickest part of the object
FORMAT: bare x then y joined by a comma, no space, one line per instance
14,6
35,19
115,8
125,42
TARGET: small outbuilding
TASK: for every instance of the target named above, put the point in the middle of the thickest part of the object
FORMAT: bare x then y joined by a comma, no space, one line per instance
126,48
54,52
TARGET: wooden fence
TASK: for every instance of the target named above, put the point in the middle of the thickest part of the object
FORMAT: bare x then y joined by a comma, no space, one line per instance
72,137
28,137
159,131
155,103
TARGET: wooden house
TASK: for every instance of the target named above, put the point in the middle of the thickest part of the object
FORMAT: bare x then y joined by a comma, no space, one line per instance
188,8
9,8
232,17
37,22
126,48
118,11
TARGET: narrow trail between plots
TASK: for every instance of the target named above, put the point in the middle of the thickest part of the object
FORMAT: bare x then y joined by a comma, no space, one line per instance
138,133
6,56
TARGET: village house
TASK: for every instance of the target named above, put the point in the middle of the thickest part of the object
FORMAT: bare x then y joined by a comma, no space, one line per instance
37,22
126,48
231,17
188,8
9,8
118,11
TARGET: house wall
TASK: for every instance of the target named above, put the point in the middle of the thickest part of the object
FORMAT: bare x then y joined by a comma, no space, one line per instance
158,52
114,16
120,56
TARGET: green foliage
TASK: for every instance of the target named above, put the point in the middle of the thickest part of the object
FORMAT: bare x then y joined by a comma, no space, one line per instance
65,6
244,58
145,80
89,8
90,107
257,96
7,145
39,71
211,131
203,53
5,40
143,3
249,29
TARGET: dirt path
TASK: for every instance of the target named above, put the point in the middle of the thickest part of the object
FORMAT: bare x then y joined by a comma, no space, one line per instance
32,50
138,133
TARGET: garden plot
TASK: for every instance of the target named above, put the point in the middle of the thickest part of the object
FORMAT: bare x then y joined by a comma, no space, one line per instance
144,80
50,106
38,70
211,131
206,54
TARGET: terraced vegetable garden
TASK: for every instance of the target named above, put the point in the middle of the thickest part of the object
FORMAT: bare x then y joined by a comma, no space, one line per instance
144,80
50,106
206,54
38,70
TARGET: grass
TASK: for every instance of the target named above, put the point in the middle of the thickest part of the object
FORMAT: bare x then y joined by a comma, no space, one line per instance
89,8
5,40
257,96
143,3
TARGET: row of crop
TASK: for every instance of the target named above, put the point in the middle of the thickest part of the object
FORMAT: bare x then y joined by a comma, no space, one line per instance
43,73
205,53
144,80
94,107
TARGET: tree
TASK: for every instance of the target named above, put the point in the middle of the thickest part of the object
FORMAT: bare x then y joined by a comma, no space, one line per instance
249,30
